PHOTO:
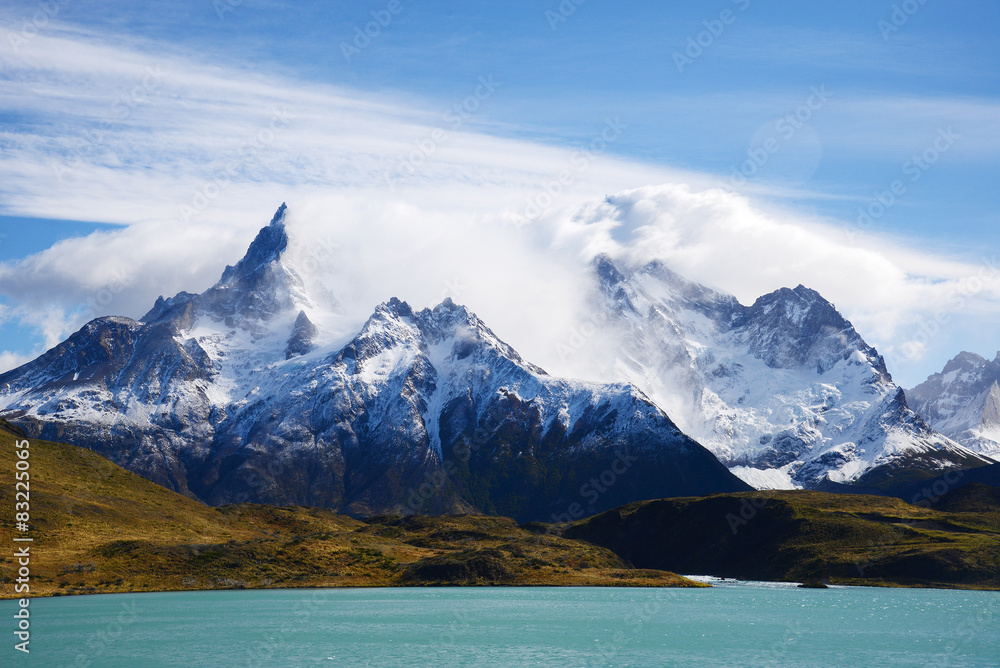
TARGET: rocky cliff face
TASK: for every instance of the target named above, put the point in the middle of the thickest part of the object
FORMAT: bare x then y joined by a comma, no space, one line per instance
225,396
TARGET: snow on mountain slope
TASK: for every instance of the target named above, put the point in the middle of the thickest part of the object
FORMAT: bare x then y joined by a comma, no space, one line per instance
785,392
963,402
232,395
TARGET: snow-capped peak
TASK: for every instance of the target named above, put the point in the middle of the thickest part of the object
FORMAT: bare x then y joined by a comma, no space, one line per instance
265,250
963,401
258,289
784,391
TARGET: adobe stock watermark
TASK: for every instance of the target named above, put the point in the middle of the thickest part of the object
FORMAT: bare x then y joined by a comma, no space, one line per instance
436,481
101,298
22,543
264,652
784,130
455,117
899,17
120,110
562,13
776,656
913,169
97,645
634,624
258,481
581,161
598,485
581,333
748,510
453,289
223,7
247,153
364,36
892,538
958,298
704,40
30,27
881,547
984,621
929,495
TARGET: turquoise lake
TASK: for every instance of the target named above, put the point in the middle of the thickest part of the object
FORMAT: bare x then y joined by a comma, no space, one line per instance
732,624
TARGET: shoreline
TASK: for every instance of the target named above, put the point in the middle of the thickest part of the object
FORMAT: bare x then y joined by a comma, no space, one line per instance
704,582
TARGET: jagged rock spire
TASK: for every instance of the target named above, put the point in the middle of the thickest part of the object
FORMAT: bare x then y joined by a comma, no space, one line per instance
258,288
303,336
267,248
990,418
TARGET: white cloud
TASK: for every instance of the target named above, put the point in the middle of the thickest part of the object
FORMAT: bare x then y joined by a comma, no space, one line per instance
114,143
10,360
192,160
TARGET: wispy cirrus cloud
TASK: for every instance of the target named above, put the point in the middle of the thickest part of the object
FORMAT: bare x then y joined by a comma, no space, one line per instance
190,158
125,135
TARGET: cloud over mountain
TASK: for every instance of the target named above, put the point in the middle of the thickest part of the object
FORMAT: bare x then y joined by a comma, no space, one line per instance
391,198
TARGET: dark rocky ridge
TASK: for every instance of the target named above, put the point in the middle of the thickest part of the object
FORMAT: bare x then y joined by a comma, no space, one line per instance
809,536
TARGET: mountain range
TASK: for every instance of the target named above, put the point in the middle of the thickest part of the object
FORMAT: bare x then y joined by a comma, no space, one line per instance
235,395
784,392
222,396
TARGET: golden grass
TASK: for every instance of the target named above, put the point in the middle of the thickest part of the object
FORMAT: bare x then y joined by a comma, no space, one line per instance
98,528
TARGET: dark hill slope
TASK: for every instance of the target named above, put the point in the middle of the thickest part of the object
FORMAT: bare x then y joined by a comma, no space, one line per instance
798,536
98,528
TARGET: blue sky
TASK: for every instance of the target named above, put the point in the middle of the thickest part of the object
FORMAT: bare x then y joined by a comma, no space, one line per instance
882,96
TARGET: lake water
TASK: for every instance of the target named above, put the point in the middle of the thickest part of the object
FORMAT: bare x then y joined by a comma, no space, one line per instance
733,624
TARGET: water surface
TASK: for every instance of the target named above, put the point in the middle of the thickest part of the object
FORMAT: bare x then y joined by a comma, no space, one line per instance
732,624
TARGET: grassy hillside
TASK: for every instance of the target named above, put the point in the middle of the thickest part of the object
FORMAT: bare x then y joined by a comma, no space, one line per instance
99,529
927,491
799,536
